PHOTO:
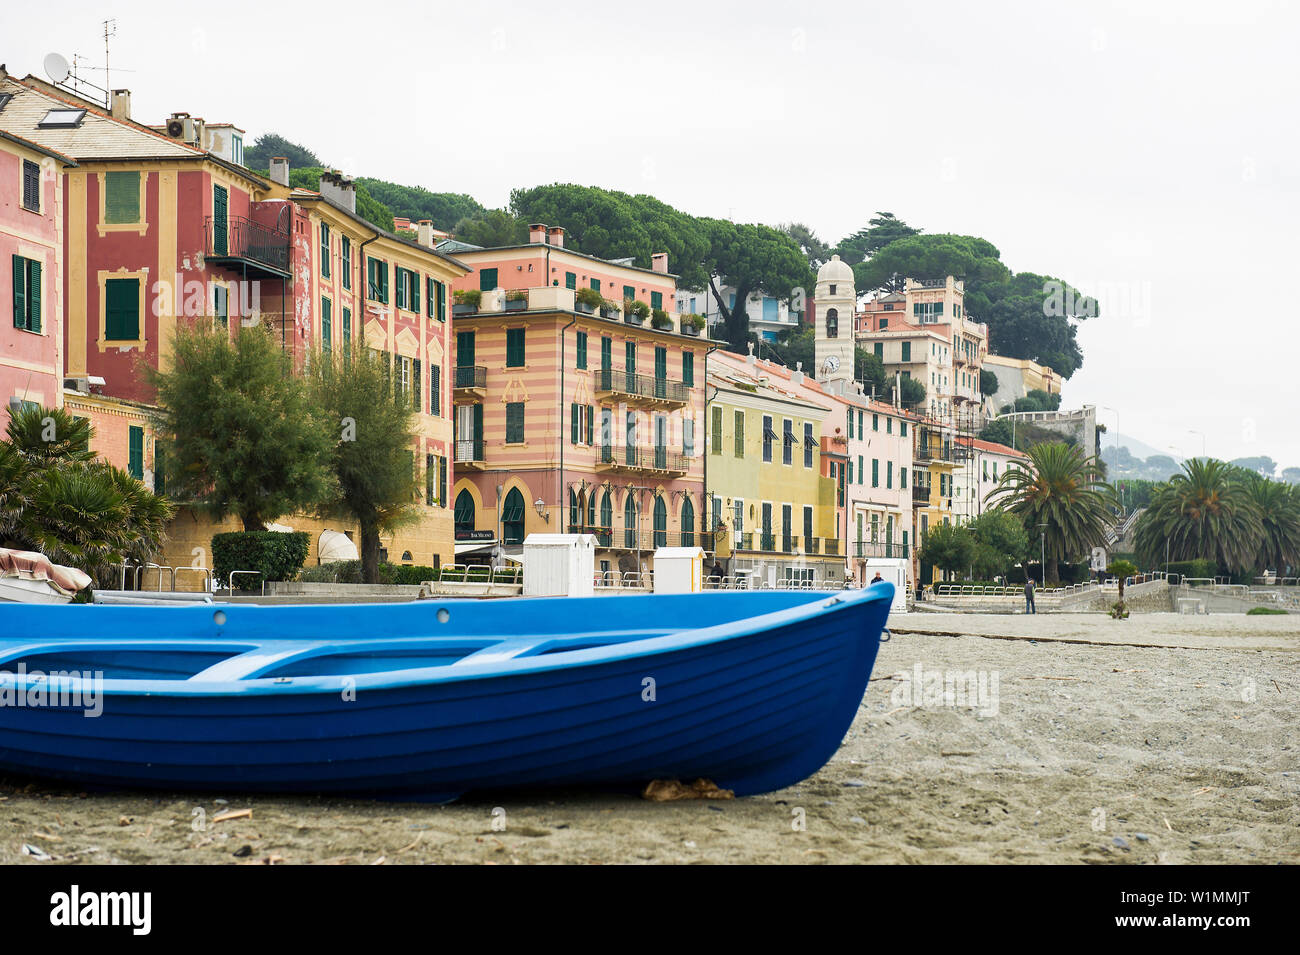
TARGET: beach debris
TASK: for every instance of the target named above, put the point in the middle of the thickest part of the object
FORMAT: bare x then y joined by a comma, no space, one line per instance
715,808
233,814
36,852
382,860
243,852
1167,826
123,821
1141,836
854,783
689,844
857,819
1120,842
47,836
670,790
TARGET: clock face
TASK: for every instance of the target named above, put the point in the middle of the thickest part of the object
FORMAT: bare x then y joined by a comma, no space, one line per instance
831,363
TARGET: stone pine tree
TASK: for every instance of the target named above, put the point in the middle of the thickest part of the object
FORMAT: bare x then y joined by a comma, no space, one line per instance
242,434
372,421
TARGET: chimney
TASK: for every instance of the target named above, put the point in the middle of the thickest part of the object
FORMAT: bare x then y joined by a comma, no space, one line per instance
121,104
556,234
659,262
280,170
749,359
424,233
537,233
339,189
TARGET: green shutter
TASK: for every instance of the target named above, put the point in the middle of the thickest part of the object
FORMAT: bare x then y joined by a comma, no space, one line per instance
442,481
435,390
478,422
514,348
879,349
487,280
417,379
122,199
430,288
464,349
33,296
347,328
324,250
20,297
122,310
573,423
571,280
220,210
907,351
629,291
656,299
591,424
688,369
414,282
136,453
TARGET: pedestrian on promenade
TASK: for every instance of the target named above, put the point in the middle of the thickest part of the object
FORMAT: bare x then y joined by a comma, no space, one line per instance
1029,595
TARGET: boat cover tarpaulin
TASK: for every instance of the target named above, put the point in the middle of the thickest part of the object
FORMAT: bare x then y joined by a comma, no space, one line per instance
30,565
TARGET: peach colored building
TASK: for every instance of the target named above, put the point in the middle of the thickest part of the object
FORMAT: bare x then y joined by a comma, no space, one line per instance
574,417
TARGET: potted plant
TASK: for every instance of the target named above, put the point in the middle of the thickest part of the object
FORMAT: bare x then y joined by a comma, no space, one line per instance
516,300
608,308
466,301
587,300
691,324
660,320
635,312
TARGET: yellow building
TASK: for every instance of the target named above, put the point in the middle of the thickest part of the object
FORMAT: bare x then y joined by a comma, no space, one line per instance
772,509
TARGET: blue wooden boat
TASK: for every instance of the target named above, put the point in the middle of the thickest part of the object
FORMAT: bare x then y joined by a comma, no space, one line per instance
432,699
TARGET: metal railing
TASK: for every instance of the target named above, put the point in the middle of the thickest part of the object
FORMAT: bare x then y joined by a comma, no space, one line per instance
865,549
620,381
470,376
243,238
642,459
468,450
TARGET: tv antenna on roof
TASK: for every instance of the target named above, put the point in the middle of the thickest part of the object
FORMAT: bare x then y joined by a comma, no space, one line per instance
110,29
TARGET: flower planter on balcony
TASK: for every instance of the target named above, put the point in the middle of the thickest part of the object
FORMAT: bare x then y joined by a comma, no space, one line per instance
663,326
609,313
691,330
464,309
631,318
516,305
584,309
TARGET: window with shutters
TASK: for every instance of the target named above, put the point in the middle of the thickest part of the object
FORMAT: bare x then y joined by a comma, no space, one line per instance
345,250
787,442
440,308
377,280
571,280
875,472
463,516
879,349
907,351
512,517
515,422
430,475
221,305
31,186
582,350
122,202
740,434
346,323
487,280
808,444
768,437
595,284
515,347
417,384
629,292
122,310
715,431
656,299
27,294
326,323
324,250
435,390
400,299
135,452
688,369
688,437
413,291
220,219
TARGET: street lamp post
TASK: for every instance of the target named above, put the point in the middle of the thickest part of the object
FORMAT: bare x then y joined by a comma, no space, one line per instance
1042,560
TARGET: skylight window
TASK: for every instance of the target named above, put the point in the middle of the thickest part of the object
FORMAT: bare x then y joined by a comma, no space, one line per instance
62,119
4,99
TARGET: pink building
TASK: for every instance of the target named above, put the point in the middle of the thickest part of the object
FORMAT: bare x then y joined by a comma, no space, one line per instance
31,272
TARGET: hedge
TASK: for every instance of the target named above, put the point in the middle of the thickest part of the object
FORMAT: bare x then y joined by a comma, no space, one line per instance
349,572
1193,568
279,556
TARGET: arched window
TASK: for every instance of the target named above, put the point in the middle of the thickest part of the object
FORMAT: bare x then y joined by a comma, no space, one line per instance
591,509
606,520
512,518
832,323
464,513
575,512
629,521
688,523
661,523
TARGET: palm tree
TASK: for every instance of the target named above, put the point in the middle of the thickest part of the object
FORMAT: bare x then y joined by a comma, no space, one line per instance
1204,513
1278,506
1063,490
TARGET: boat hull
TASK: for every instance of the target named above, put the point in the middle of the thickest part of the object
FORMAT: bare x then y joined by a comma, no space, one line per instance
755,702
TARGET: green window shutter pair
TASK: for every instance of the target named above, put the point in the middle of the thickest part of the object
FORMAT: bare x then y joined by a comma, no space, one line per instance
487,280
582,349
27,294
902,478
850,423
875,422
464,349
324,250
629,358
514,422
907,351
571,280
122,202
514,347
688,369
345,247
879,349
661,363
740,434
417,379
595,284
606,352
629,291
656,299
122,310
875,472
430,472
715,430
326,323
135,464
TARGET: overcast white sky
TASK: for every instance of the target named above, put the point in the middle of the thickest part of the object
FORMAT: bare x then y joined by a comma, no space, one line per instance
1146,152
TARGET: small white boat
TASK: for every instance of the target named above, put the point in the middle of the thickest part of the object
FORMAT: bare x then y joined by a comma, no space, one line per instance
28,577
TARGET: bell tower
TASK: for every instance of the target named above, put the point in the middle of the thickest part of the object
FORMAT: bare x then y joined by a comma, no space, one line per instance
836,300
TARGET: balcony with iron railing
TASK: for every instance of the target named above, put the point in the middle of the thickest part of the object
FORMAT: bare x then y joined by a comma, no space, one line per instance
619,383
920,494
470,453
634,460
469,380
242,243
865,549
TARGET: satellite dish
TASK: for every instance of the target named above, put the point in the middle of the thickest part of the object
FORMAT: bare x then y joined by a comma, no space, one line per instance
56,67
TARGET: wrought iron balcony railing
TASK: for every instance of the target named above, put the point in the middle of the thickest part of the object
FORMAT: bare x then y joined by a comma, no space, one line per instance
619,381
469,450
470,376
242,238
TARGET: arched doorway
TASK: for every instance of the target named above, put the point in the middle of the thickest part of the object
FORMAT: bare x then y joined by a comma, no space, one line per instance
512,518
629,521
606,535
661,523
688,523
464,513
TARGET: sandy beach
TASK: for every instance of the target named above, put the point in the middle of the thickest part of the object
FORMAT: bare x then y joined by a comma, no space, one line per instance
1161,739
